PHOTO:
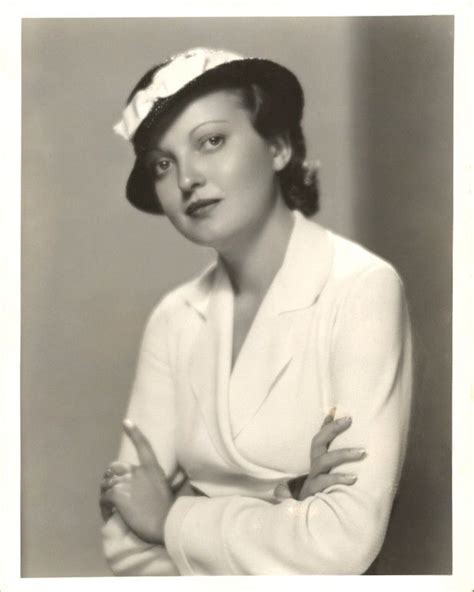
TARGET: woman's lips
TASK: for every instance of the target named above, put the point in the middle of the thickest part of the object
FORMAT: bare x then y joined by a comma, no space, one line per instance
201,207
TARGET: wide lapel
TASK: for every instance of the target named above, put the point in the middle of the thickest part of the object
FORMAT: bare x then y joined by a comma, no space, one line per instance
264,356
268,349
281,321
210,363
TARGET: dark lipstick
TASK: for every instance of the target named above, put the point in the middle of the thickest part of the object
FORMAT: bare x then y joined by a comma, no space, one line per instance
195,206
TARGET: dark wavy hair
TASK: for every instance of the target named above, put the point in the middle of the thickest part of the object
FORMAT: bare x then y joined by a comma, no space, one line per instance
299,179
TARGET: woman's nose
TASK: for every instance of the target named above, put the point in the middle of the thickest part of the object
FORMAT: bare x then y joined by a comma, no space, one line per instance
189,176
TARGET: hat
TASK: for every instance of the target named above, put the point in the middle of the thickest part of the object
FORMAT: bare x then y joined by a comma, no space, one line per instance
172,81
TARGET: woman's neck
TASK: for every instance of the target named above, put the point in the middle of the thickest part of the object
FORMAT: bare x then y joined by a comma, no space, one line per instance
252,265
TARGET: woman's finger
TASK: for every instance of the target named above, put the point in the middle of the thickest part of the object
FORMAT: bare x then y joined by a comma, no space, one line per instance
120,468
106,504
115,495
329,417
322,482
117,469
107,483
108,497
327,433
106,509
142,445
334,458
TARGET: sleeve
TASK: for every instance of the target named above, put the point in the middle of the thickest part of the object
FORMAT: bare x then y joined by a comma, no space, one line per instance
151,407
341,530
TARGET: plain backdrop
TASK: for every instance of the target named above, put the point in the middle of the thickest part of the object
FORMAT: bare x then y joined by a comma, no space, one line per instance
378,118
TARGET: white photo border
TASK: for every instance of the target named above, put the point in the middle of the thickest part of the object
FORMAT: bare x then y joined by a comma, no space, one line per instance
463,247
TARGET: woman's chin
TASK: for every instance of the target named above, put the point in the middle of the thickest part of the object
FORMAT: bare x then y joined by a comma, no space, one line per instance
203,231
204,235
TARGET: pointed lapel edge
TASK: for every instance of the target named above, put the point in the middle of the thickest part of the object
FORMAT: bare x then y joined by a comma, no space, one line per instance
306,266
209,364
198,291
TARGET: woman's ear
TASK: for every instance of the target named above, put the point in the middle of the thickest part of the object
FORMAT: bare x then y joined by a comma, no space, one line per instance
280,146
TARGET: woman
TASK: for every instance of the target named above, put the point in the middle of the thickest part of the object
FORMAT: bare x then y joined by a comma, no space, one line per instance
239,367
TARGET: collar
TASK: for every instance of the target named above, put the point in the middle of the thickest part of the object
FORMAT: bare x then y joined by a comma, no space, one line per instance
299,280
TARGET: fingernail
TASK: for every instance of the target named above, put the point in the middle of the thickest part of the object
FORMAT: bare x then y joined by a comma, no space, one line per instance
360,452
128,423
350,478
343,420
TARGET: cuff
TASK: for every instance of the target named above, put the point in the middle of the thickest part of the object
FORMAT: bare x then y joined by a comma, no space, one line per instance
173,527
128,555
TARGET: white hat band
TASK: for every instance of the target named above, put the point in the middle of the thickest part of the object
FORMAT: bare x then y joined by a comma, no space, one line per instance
182,69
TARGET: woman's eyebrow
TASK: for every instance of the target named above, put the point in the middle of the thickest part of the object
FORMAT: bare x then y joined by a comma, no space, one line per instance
152,155
159,151
154,152
206,122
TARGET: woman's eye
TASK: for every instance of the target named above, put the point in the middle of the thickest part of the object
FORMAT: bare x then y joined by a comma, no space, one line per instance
162,166
212,142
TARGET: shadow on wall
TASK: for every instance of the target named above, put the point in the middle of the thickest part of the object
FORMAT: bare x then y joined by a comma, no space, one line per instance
408,220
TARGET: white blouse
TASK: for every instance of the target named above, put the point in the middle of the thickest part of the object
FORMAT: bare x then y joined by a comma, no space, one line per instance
332,330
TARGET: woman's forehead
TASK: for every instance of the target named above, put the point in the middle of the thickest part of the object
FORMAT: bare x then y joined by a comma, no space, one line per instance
223,105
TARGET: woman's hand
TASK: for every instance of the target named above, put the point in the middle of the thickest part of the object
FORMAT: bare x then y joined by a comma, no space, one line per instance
322,461
115,473
141,494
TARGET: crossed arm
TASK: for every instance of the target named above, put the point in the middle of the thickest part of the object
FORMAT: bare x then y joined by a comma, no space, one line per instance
142,495
333,528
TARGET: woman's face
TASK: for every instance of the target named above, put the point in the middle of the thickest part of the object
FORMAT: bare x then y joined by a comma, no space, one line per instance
214,174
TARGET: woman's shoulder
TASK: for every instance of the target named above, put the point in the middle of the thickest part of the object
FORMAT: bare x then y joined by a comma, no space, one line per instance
355,274
353,261
363,284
